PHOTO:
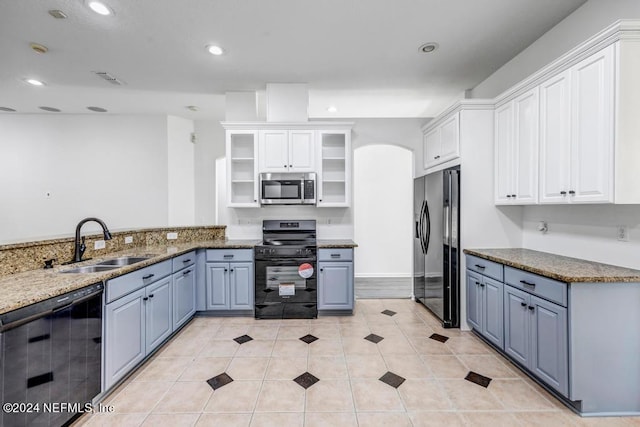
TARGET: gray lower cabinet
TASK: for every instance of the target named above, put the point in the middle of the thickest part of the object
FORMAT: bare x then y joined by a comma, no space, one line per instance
125,345
536,336
230,285
158,318
335,279
484,306
184,296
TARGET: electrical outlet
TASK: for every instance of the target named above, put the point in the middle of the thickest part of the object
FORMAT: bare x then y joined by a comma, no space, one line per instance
172,236
128,239
622,233
99,244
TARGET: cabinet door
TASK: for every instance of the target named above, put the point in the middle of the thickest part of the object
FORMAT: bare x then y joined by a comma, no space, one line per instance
301,151
335,286
555,138
525,143
158,313
124,336
241,285
450,138
504,164
517,321
273,151
431,147
492,303
184,296
218,286
474,300
592,129
549,355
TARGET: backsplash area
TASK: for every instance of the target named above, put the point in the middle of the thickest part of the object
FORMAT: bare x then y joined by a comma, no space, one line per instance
19,257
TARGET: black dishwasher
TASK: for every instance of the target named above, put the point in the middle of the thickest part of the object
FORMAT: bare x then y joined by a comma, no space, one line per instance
51,358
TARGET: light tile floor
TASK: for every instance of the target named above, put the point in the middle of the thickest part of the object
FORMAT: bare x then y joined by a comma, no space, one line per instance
171,388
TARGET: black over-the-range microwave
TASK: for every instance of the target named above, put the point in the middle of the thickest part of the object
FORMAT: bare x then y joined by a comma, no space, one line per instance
288,188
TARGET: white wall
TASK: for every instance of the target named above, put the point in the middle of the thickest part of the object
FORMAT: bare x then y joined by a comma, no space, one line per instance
585,231
110,166
209,146
585,22
180,172
383,211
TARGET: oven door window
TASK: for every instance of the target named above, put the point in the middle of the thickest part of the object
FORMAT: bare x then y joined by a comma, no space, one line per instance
276,190
285,280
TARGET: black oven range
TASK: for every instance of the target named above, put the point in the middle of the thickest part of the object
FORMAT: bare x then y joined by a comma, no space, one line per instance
285,273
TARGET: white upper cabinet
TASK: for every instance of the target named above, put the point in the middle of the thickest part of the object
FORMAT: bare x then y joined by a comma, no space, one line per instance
242,168
441,142
577,132
286,151
333,183
516,150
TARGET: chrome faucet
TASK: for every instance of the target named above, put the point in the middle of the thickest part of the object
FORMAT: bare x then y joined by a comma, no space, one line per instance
80,247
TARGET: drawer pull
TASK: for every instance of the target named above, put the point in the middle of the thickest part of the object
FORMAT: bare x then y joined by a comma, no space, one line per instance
335,255
187,272
481,267
524,282
524,304
228,256
148,276
187,260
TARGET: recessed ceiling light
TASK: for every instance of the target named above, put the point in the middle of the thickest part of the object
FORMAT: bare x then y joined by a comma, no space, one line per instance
428,47
191,108
332,109
53,110
39,48
100,8
97,109
7,109
58,14
34,82
215,50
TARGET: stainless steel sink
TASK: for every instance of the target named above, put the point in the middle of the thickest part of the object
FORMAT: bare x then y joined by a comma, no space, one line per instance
122,261
90,269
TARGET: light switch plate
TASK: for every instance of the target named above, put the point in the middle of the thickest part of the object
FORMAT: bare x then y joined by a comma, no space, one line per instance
128,239
99,244
172,236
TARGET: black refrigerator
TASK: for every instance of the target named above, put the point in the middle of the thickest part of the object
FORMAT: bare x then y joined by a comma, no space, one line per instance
436,254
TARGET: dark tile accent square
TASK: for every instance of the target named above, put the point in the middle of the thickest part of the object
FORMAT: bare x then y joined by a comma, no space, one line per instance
439,337
389,312
219,380
309,339
392,379
243,339
374,338
306,380
478,379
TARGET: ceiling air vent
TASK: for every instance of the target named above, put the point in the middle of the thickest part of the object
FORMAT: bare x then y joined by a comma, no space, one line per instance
108,77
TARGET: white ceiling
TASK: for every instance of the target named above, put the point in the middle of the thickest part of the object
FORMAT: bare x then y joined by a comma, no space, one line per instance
360,55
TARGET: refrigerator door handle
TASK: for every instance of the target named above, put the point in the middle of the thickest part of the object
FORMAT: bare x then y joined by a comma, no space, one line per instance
426,227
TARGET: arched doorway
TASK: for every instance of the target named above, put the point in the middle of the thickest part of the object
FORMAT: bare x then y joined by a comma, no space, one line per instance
383,206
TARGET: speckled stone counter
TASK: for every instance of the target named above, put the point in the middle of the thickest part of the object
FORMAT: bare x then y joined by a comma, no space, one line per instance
558,267
336,243
21,289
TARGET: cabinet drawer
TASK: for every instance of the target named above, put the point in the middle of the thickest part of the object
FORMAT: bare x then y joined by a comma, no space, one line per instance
486,267
137,279
184,260
229,255
335,255
549,289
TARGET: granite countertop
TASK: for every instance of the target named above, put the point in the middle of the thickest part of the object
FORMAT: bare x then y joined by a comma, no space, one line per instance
21,289
558,267
336,243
